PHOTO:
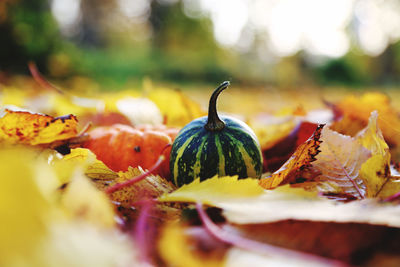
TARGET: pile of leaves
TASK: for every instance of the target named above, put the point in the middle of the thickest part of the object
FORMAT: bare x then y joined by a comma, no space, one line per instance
88,184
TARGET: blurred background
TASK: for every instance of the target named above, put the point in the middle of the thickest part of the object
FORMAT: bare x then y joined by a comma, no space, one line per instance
283,43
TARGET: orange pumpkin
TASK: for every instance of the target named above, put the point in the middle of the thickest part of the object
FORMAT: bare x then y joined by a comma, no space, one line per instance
120,146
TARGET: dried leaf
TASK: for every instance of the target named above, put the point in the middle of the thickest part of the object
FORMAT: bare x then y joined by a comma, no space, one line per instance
390,188
285,203
356,112
298,165
270,129
94,169
375,172
23,206
80,158
340,162
182,253
83,200
151,187
20,127
177,108
38,231
212,190
340,241
239,257
279,153
73,243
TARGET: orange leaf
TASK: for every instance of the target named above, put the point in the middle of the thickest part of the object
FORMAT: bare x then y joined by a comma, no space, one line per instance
20,127
298,163
356,111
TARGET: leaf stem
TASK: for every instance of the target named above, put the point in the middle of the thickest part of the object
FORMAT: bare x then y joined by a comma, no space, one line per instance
392,197
142,233
247,244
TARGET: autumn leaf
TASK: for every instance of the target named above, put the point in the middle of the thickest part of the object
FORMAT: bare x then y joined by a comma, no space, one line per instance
237,257
19,127
23,207
151,187
340,162
355,112
285,203
375,172
83,200
183,252
271,129
212,190
322,238
298,165
81,159
177,108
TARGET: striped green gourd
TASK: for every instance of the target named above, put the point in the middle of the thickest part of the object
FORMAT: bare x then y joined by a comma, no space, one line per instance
213,145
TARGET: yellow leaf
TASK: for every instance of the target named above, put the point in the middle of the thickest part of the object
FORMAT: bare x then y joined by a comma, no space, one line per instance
23,206
83,200
356,112
21,127
94,168
376,170
215,189
81,158
270,130
177,250
298,164
175,106
391,187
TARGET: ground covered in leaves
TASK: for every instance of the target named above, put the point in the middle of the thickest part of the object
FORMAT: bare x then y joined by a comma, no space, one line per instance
85,179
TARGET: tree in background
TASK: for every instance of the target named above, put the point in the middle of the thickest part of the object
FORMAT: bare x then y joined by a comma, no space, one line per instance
28,32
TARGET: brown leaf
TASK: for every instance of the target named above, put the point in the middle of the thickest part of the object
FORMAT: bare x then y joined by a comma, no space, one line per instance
275,156
352,243
20,127
298,165
152,187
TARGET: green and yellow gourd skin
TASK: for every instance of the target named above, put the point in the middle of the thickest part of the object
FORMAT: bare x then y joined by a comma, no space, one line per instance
214,145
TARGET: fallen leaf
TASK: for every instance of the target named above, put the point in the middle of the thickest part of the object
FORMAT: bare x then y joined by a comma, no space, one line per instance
340,241
79,244
355,112
82,159
286,203
340,162
33,129
275,156
237,257
214,189
176,107
23,206
84,201
153,186
183,253
375,172
298,165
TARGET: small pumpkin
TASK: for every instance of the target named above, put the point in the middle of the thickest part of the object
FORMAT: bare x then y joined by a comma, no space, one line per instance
120,146
213,145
